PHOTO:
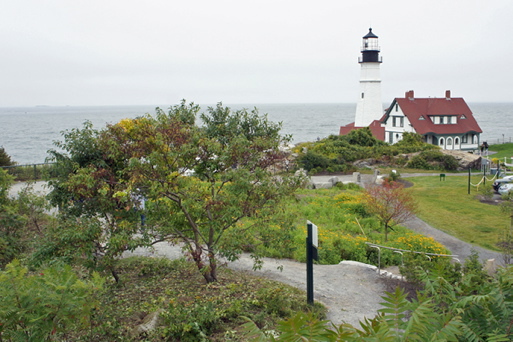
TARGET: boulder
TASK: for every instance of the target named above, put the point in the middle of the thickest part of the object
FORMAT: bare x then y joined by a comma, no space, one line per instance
149,323
465,159
334,180
323,185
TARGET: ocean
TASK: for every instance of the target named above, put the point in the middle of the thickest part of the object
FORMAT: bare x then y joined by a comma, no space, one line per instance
27,133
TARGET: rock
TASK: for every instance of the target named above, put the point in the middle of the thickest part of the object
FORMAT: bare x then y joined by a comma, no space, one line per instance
323,185
149,323
490,267
333,180
465,159
357,177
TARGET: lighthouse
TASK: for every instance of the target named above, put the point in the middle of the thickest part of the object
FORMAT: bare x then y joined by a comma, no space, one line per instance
369,106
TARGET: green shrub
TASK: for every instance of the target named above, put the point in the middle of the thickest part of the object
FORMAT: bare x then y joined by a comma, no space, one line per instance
34,307
433,160
5,159
190,321
418,162
313,161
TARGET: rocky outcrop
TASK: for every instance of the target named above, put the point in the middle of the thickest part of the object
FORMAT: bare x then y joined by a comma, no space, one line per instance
465,159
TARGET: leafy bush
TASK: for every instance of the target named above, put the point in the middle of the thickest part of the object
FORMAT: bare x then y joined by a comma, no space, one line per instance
336,153
5,159
433,160
34,307
363,137
311,160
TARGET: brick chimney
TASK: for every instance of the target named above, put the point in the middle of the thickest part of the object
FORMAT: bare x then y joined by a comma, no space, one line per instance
409,94
447,94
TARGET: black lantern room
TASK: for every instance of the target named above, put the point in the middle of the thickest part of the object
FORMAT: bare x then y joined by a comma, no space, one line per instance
370,49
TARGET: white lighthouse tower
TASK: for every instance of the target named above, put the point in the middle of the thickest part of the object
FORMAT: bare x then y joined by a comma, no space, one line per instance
369,106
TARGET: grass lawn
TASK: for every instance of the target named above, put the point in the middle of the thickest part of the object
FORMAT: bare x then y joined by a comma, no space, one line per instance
447,206
503,150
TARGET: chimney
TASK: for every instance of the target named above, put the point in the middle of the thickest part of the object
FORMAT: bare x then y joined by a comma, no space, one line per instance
447,94
409,94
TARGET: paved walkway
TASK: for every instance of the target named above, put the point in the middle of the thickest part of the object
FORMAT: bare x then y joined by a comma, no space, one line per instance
456,246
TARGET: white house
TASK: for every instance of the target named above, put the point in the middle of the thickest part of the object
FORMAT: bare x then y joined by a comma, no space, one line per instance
447,122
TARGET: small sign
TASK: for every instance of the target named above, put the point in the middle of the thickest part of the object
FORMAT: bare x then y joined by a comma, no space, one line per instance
315,236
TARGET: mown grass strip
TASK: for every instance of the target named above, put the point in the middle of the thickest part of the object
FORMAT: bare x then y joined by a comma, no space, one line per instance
446,205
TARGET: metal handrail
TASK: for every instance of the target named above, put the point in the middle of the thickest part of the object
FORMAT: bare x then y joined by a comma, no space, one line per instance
405,250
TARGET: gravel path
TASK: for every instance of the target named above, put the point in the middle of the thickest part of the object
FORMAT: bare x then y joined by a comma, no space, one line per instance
351,291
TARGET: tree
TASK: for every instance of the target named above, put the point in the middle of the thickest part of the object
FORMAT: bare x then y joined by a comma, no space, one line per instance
200,181
95,224
5,159
197,181
391,204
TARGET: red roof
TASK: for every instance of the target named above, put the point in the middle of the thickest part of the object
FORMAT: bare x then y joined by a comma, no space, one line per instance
417,108
377,131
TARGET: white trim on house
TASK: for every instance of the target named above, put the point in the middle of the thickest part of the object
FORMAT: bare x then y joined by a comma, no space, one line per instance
396,124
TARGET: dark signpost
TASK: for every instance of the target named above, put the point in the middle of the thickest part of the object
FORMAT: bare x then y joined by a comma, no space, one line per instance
312,242
469,175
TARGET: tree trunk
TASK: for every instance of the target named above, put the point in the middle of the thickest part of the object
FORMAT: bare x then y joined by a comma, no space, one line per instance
114,274
208,272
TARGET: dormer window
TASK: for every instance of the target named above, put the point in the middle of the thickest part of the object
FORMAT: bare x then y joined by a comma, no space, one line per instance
462,117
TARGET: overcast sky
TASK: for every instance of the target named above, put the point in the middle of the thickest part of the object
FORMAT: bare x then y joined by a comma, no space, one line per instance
156,52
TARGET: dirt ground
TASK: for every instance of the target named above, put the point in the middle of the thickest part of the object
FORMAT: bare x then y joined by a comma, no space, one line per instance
351,291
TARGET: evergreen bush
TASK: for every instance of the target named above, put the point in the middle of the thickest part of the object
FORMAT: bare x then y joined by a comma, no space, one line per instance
5,159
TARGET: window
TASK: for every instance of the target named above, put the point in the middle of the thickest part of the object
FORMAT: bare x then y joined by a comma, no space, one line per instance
462,117
397,107
442,142
449,143
363,95
464,139
442,120
422,117
397,121
457,141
